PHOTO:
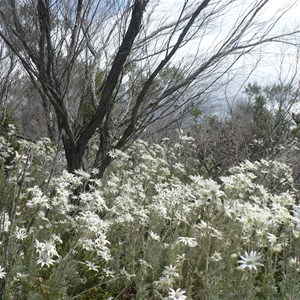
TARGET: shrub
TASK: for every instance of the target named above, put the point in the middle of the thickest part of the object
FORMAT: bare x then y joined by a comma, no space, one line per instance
148,230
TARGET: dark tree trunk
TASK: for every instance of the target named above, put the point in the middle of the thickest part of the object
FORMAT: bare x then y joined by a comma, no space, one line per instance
74,155
103,165
74,160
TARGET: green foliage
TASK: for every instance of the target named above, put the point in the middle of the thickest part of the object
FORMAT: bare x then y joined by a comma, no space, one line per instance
196,113
87,112
270,107
6,120
262,117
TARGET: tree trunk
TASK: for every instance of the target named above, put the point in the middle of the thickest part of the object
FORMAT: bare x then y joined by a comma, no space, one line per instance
74,155
74,160
103,165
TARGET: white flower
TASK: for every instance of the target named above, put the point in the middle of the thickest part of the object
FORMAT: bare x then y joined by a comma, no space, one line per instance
277,248
21,233
178,294
91,266
109,273
190,242
2,273
294,263
144,264
38,198
249,261
216,257
164,282
91,221
21,275
56,238
127,275
101,241
272,238
48,247
180,259
168,279
47,252
94,171
45,259
154,236
170,271
118,153
87,244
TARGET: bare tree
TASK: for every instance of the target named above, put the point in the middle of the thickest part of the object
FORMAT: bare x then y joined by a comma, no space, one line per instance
111,68
20,102
8,65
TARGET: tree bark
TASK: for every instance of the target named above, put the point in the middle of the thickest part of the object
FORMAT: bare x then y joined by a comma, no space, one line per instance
74,155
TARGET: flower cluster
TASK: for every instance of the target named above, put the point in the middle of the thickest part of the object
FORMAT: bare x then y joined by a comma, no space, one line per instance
149,229
47,253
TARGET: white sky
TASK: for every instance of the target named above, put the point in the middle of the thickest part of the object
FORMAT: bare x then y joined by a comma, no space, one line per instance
277,62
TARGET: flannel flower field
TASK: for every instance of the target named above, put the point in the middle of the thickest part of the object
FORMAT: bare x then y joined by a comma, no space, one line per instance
152,228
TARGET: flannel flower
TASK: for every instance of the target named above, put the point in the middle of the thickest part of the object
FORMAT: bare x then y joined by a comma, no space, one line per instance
250,261
178,294
2,273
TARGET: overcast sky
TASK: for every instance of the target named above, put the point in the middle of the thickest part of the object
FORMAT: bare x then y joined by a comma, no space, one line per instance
272,62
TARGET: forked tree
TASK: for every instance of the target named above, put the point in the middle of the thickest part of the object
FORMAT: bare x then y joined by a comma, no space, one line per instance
109,68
